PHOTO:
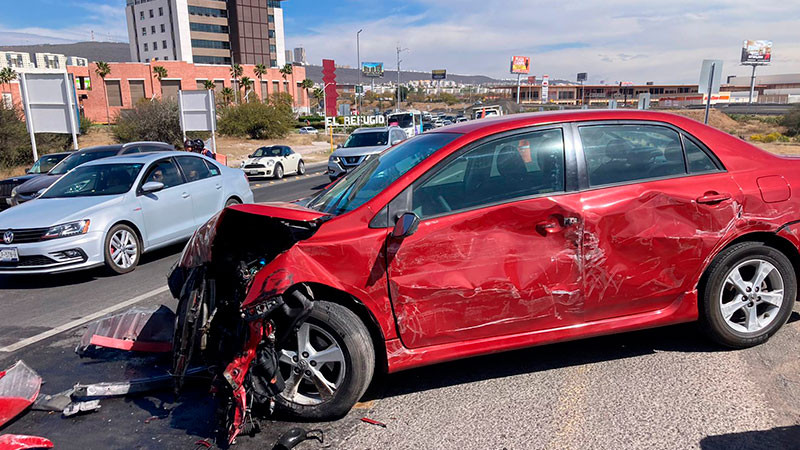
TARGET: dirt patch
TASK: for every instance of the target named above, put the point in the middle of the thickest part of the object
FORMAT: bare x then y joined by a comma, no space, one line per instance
97,135
720,120
779,148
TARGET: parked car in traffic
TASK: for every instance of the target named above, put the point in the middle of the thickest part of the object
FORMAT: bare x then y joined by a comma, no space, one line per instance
30,189
362,143
501,234
41,166
308,130
111,210
273,161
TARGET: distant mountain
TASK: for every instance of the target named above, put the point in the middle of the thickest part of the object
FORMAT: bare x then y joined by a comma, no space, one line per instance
350,76
93,51
15,38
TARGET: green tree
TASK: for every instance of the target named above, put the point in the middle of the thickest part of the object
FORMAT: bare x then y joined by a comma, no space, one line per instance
247,82
260,70
209,84
157,120
287,70
227,95
7,75
160,72
236,73
306,85
256,120
792,121
103,70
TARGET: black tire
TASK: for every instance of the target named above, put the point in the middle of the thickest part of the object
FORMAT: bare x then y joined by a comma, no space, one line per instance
232,201
711,310
278,172
301,167
356,343
109,260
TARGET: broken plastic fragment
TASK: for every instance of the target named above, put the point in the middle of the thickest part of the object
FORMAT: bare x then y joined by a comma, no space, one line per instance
81,407
19,387
137,329
22,442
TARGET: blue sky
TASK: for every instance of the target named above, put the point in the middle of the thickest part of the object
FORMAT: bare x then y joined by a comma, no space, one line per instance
612,40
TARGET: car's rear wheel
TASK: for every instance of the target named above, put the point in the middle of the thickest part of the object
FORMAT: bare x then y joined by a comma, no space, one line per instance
749,294
122,249
278,173
301,167
232,201
328,365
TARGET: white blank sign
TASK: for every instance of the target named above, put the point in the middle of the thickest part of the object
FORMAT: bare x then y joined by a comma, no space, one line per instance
198,110
48,98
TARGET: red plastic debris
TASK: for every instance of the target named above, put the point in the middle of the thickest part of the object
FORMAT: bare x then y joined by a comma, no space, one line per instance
373,422
21,442
19,387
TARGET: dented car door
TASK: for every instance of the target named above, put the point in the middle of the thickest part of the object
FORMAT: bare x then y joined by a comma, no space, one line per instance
496,251
652,215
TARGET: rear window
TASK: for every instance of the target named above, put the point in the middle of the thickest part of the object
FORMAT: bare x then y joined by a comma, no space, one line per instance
76,159
368,139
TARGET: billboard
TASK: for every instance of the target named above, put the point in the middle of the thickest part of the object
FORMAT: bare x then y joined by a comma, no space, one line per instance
520,64
532,80
438,74
545,87
756,52
582,77
329,84
372,69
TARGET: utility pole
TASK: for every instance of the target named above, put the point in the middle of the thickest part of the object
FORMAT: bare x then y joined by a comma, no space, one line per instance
752,84
358,56
399,50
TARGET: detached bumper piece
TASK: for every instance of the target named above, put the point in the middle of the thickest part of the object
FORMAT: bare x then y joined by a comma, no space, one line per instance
22,442
137,329
19,387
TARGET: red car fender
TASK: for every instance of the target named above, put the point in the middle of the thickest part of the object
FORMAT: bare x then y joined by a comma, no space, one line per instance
22,442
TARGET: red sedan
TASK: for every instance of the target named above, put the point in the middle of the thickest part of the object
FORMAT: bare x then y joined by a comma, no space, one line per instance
499,234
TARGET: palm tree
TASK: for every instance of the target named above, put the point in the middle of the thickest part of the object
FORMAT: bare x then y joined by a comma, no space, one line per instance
103,70
260,70
286,70
7,75
160,72
306,85
246,83
227,95
236,72
209,84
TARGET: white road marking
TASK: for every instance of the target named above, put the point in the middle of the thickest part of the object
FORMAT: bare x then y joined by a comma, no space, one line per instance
78,322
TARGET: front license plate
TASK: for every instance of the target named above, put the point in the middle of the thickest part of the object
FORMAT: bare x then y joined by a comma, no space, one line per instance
9,254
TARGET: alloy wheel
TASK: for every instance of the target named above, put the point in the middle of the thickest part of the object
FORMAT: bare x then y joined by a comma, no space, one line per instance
751,296
123,248
315,369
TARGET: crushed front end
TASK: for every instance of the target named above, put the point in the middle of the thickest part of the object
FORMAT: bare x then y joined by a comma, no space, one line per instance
212,328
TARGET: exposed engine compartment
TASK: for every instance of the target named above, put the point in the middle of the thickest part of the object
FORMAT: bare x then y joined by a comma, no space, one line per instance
211,281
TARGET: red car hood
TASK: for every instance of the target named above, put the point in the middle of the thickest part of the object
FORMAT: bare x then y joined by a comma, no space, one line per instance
282,210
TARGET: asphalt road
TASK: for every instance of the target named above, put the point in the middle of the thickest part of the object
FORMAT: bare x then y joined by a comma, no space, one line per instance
660,388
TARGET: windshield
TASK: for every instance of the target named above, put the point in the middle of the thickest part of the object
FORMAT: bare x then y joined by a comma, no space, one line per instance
405,120
76,159
267,151
90,181
378,172
369,139
45,163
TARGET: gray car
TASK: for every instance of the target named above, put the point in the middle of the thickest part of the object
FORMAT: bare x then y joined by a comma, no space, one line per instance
110,211
360,144
30,189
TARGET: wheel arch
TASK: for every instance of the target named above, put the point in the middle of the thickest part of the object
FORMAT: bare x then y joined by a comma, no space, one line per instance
767,238
234,197
349,301
134,227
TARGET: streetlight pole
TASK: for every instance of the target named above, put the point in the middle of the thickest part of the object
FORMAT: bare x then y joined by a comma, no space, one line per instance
399,50
358,56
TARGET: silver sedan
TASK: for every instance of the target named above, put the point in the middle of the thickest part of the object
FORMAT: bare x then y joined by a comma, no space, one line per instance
112,210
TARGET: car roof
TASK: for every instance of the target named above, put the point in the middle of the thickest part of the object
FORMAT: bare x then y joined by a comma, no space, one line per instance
373,129
139,158
118,147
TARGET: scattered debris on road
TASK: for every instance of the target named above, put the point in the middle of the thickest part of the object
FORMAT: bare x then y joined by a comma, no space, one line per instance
137,329
23,442
373,422
19,387
295,436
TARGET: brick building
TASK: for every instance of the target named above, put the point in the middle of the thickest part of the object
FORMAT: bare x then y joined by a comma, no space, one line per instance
129,83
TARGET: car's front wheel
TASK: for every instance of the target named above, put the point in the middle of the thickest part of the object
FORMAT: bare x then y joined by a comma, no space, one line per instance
122,249
749,294
328,365
301,167
278,173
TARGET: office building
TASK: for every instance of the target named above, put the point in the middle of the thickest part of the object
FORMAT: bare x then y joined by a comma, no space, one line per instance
207,31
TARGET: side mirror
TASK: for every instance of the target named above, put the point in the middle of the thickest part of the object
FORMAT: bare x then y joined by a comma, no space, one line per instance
338,145
396,141
152,186
28,170
406,225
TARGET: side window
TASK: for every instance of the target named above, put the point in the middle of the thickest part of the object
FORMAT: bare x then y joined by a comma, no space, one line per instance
494,172
620,153
193,168
212,168
130,150
165,172
697,159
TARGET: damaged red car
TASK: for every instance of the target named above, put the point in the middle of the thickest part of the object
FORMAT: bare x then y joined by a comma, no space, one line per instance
488,236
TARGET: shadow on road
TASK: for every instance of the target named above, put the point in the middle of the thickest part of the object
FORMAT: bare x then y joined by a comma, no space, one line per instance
778,437
38,281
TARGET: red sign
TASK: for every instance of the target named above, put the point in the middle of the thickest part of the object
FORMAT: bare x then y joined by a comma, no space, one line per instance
520,64
329,82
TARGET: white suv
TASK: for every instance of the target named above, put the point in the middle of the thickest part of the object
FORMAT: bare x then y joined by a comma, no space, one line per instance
360,144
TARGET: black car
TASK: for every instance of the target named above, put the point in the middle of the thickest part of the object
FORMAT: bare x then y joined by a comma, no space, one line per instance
29,189
41,166
426,126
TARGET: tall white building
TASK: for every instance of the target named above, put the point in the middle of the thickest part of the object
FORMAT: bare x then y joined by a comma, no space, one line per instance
207,31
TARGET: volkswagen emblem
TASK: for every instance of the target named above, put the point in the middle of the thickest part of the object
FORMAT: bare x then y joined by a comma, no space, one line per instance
8,237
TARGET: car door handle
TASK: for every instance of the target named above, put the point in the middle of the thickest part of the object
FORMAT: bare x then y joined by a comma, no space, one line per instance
218,186
185,195
709,198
